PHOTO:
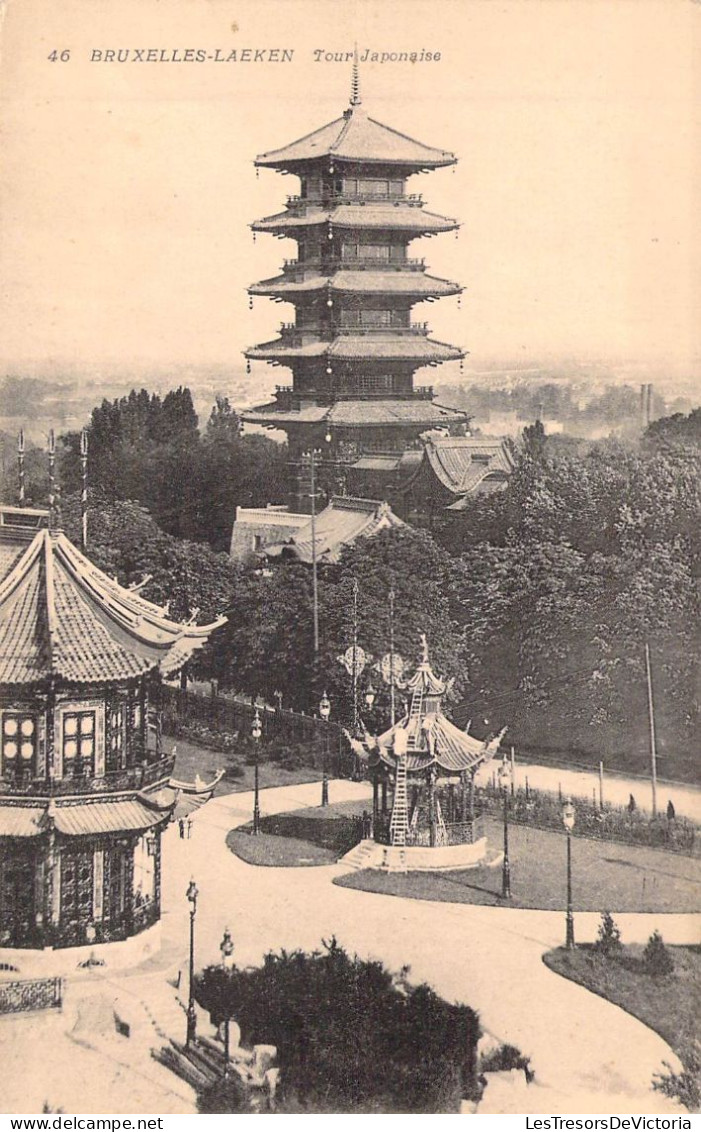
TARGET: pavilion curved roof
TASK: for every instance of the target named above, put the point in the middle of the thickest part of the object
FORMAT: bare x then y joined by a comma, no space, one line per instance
358,138
433,740
60,615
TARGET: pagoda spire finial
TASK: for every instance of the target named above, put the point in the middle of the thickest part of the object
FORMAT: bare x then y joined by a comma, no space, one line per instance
355,99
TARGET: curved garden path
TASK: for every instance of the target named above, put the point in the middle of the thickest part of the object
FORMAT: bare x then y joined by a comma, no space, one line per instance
589,1056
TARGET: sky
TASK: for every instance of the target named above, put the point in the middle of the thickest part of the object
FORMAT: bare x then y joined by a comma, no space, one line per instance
126,190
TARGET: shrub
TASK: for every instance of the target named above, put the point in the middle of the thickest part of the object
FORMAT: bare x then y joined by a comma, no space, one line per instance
656,958
348,1035
608,942
228,1095
504,1058
234,770
684,1087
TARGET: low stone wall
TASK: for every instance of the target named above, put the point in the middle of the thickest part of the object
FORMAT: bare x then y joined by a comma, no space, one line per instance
36,963
370,854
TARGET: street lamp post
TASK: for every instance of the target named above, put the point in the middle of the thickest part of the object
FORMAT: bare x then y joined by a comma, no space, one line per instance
504,781
568,816
325,712
227,959
191,1032
256,734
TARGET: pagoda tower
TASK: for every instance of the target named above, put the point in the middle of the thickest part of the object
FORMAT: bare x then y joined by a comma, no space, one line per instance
353,348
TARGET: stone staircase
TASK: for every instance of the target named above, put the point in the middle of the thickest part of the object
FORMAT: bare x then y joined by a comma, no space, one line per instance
366,854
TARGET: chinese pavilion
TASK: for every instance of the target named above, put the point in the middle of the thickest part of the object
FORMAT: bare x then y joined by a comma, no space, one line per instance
353,349
423,771
85,786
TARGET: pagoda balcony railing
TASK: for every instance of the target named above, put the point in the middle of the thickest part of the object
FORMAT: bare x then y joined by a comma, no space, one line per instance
293,333
413,328
287,394
113,781
318,199
450,833
357,263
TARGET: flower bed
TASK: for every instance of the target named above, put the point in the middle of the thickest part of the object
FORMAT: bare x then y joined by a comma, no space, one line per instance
612,823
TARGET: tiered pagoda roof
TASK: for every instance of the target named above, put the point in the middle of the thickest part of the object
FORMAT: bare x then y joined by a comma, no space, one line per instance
349,347
62,616
354,414
368,282
357,137
353,348
397,215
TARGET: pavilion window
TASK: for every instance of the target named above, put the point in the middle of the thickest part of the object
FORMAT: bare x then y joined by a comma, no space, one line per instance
19,743
78,744
76,886
145,868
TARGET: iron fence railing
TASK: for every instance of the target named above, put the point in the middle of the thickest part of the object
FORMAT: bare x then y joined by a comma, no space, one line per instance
31,994
234,716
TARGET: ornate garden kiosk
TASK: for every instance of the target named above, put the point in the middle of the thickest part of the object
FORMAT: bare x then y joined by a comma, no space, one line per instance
423,771
85,786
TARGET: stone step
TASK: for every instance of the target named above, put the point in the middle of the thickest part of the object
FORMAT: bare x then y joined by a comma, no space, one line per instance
182,1067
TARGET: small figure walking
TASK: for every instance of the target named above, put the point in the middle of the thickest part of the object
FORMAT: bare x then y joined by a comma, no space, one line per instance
671,812
188,826
631,804
181,828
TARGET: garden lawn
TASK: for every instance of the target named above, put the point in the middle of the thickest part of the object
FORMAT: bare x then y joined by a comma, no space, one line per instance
317,835
267,849
667,1004
605,874
192,759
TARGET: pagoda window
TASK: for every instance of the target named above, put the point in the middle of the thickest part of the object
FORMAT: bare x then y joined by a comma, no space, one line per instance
372,187
351,251
19,743
116,748
375,383
78,749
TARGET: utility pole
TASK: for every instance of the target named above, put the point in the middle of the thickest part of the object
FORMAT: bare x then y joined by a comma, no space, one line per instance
653,742
355,653
391,655
84,491
315,588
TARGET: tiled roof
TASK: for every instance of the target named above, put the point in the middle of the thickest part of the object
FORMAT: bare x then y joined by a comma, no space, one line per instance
399,347
461,463
21,821
271,412
338,525
60,615
390,282
356,413
399,216
391,412
82,819
356,137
